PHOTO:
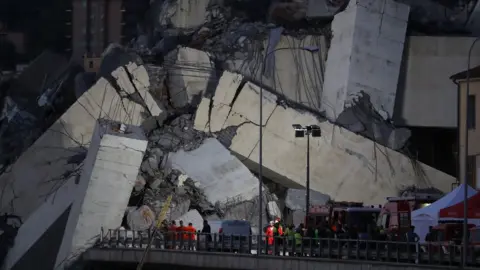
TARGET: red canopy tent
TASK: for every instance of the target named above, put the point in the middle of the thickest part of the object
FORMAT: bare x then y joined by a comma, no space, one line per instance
456,210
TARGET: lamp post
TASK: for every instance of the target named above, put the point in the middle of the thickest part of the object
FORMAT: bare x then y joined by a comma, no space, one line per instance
311,49
465,186
301,132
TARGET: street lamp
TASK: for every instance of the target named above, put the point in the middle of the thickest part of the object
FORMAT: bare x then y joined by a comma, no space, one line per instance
301,132
311,49
465,186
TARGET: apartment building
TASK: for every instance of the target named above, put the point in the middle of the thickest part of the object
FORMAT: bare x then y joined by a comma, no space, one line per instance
469,125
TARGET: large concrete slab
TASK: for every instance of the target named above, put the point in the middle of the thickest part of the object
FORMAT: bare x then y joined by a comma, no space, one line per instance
342,163
55,156
365,55
108,177
221,176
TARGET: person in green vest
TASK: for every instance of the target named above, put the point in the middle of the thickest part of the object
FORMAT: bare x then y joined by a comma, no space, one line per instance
299,234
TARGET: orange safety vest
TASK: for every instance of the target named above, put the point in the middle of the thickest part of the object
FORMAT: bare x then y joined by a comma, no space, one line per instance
191,231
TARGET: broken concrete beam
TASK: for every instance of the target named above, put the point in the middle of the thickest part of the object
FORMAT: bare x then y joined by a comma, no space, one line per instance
79,208
365,55
108,177
189,71
55,156
135,82
341,162
273,210
222,177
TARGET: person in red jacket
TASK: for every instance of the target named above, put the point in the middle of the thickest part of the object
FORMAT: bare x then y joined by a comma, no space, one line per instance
269,235
172,233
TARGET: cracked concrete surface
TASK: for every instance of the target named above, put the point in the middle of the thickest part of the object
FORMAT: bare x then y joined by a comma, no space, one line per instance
45,166
365,55
341,162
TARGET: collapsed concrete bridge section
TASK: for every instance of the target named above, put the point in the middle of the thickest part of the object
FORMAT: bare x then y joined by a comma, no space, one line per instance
344,165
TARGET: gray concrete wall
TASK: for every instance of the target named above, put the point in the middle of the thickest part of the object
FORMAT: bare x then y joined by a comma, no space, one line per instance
426,96
240,262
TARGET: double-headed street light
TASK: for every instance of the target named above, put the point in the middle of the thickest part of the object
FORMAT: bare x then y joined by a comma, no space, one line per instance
311,49
301,132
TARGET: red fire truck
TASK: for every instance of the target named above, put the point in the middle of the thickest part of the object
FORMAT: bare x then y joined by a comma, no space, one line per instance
395,217
348,213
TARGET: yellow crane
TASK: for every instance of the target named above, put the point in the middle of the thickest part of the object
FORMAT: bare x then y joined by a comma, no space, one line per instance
160,219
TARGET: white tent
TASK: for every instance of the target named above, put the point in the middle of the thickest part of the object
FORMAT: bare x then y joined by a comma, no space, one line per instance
428,216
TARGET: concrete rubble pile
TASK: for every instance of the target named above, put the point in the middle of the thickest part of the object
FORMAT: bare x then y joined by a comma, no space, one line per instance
194,116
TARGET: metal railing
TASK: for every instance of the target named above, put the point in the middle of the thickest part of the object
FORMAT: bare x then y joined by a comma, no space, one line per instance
366,250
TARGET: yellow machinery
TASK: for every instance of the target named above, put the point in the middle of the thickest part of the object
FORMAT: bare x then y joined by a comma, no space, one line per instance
160,219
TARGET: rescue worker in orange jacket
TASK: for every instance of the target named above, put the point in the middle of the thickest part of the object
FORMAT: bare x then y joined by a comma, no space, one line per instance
172,232
191,232
181,232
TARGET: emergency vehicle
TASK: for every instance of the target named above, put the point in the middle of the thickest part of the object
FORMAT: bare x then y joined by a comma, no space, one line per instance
395,216
352,214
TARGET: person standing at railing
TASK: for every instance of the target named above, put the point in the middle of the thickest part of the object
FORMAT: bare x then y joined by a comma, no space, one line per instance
299,232
172,234
191,235
182,235
270,234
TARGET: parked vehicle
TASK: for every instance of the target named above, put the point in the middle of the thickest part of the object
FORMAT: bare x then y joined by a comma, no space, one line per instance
352,214
395,216
232,231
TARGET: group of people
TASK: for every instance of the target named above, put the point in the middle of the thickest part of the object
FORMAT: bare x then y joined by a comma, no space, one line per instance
181,233
276,231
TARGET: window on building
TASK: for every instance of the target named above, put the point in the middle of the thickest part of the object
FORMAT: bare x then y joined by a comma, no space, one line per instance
471,112
471,171
90,64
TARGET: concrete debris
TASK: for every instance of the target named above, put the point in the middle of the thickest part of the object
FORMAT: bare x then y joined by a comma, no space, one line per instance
361,117
178,209
141,219
182,14
384,172
197,101
221,175
188,74
177,134
273,210
296,200
139,183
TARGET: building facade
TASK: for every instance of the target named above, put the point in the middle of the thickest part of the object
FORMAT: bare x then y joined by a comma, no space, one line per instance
95,24
469,126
